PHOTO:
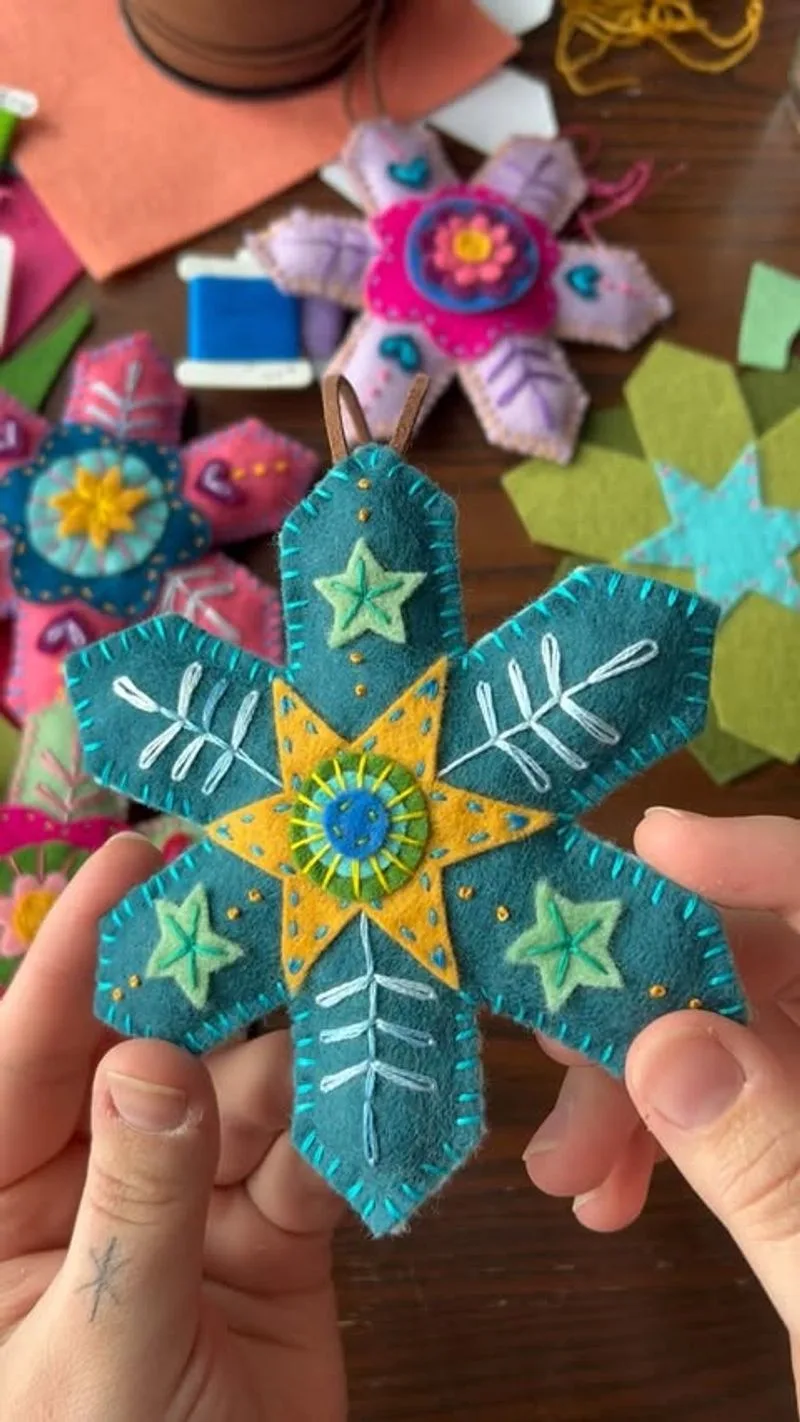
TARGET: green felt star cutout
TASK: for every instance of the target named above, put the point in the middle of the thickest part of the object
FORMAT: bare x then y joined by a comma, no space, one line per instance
367,598
188,949
569,944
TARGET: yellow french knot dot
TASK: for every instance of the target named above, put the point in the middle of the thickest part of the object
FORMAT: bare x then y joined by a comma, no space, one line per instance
466,892
356,658
233,912
134,980
117,994
657,990
364,484
255,896
364,515
360,689
695,1002
502,914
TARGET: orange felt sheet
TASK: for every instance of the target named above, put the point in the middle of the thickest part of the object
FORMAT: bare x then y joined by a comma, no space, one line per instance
130,162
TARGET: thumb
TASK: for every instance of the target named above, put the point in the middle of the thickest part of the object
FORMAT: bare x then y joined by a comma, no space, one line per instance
723,1108
130,1287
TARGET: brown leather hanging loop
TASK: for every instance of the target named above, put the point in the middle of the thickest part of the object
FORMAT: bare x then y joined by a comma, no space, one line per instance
338,395
406,424
369,60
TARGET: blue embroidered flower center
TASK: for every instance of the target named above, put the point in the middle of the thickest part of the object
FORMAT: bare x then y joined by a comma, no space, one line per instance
360,826
469,255
98,511
357,822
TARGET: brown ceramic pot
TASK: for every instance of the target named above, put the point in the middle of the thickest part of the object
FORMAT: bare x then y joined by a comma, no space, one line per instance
249,46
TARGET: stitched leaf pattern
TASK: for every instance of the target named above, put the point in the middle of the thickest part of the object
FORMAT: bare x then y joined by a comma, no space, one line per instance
315,254
190,592
50,774
180,722
561,698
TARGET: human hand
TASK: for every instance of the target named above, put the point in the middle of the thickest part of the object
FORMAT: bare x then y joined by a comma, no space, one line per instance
164,1252
721,1100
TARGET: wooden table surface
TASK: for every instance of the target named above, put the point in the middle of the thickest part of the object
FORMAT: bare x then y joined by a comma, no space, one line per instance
496,1306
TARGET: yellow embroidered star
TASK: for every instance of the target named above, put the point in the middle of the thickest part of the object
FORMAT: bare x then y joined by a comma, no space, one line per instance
365,827
97,506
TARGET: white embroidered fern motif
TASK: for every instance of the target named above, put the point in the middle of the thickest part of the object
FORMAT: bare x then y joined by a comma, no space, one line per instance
122,413
202,732
372,1027
196,586
561,698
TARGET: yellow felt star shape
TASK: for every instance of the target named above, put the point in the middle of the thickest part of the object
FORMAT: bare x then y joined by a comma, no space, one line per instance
365,827
97,506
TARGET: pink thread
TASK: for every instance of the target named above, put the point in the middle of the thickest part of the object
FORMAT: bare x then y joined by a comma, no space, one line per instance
605,199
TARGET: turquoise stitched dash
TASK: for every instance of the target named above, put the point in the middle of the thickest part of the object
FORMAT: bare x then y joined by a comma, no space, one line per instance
391,1209
689,907
468,1120
714,952
720,979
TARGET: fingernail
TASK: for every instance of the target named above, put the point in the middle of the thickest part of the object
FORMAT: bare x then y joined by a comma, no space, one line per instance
667,810
144,1105
581,1200
690,1083
551,1132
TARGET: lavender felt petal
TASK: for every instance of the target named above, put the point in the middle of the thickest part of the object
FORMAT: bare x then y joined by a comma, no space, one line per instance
527,397
380,359
606,296
316,254
541,176
389,162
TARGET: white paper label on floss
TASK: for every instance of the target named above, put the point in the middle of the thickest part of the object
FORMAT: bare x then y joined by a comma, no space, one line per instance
506,105
18,102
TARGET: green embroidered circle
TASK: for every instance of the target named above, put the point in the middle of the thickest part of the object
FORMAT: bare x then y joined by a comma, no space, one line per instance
359,827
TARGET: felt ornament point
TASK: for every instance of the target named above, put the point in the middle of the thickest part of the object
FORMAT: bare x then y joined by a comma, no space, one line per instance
770,318
466,280
106,517
385,864
703,491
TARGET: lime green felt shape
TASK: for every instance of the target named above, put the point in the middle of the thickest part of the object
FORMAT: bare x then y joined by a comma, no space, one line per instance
569,945
691,414
367,597
31,372
188,950
9,750
770,318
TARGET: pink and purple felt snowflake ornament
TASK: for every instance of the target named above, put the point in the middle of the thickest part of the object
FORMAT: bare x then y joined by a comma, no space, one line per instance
106,518
468,280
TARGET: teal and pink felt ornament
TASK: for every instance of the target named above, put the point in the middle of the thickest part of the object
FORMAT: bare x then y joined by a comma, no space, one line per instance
107,518
389,840
467,279
55,817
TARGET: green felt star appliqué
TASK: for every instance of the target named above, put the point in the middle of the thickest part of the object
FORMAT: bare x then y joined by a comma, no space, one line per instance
367,598
693,414
569,945
188,950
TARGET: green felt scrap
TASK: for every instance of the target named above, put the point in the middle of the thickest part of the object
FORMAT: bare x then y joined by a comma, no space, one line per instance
689,411
569,507
612,429
30,373
771,396
9,750
8,125
757,666
724,757
770,318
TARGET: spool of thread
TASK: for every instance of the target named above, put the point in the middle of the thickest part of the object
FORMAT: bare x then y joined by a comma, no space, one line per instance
250,46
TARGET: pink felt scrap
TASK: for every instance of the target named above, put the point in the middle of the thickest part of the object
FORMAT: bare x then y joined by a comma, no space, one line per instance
44,263
21,826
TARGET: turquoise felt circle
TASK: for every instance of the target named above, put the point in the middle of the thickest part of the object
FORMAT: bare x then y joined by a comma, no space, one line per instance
75,553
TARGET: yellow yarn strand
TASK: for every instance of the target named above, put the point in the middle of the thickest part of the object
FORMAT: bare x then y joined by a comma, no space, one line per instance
590,28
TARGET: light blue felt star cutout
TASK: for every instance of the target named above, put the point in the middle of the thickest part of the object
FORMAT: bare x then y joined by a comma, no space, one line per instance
730,539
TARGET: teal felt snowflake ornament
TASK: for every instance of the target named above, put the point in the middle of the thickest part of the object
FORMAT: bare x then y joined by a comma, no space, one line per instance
388,838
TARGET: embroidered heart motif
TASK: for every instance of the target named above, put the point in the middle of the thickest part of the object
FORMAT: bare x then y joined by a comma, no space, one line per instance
404,351
13,439
585,281
412,173
66,633
216,481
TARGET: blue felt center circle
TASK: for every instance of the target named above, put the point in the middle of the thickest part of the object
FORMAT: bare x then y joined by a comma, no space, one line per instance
476,284
356,823
134,531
